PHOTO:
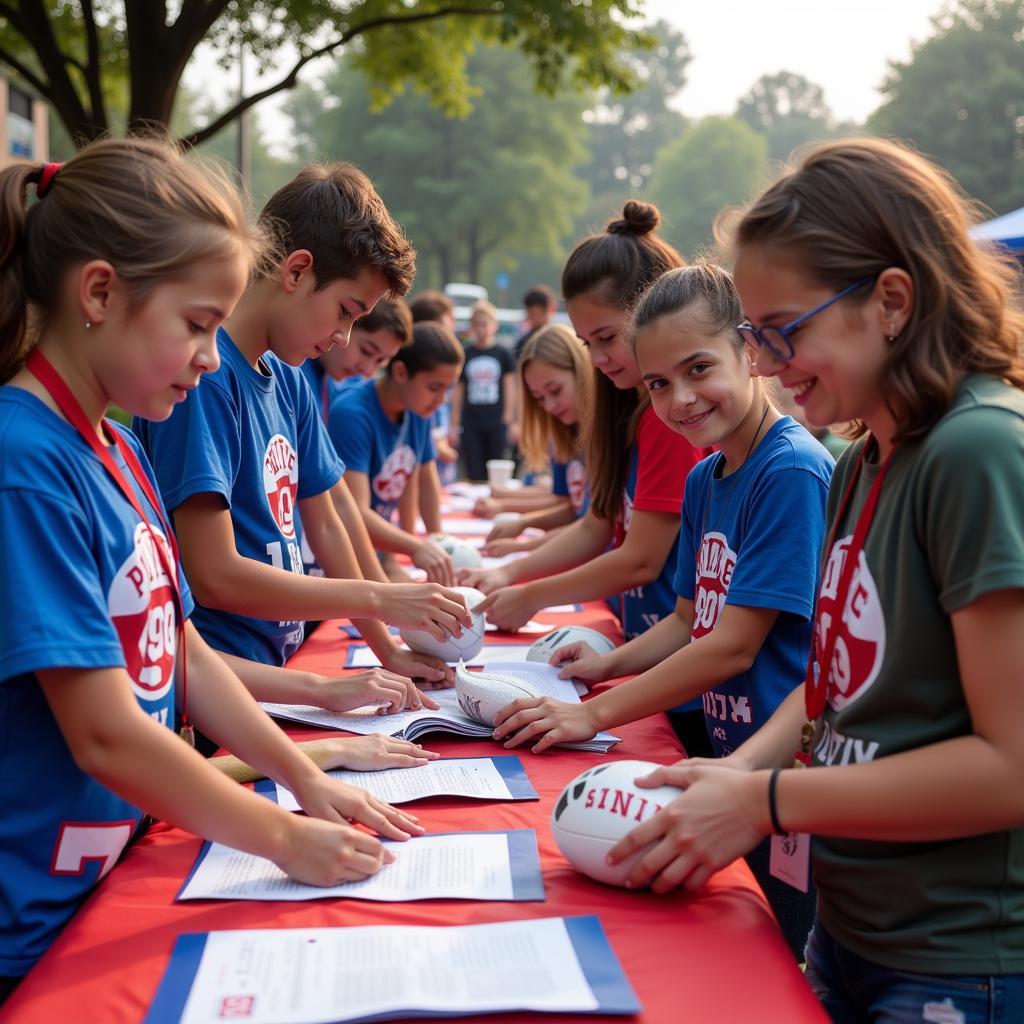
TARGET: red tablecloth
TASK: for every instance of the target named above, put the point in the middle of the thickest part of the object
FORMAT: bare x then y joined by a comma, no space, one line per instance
716,956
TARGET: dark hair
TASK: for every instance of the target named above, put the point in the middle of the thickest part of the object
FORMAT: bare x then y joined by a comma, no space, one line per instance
430,305
334,211
540,295
389,315
615,267
432,346
136,203
853,208
705,287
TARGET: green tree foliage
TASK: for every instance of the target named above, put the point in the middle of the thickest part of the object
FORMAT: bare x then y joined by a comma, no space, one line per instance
718,162
78,54
788,110
496,182
960,99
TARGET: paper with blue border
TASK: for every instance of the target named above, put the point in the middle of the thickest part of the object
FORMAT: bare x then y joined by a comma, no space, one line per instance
595,984
403,785
482,865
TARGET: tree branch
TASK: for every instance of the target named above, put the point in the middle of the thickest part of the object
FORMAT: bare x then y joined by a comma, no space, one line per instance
289,80
92,69
29,76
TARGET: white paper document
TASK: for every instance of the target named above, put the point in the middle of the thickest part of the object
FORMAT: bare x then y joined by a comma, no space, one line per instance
455,865
449,717
361,656
480,778
317,975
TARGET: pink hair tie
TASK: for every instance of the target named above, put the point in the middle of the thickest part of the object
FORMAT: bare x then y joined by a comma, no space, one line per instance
46,178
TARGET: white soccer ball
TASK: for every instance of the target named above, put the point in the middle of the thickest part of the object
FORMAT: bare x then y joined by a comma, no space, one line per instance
454,648
543,648
483,694
597,809
463,555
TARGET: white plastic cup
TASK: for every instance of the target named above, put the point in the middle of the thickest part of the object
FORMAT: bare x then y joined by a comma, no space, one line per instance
499,471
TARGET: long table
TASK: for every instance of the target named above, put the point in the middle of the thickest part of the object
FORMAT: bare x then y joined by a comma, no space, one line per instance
714,957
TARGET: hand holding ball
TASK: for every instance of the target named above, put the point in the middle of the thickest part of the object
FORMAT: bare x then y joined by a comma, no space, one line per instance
598,808
454,648
483,694
545,647
463,555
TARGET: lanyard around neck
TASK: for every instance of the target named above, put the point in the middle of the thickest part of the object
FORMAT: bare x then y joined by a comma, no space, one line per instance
816,683
42,369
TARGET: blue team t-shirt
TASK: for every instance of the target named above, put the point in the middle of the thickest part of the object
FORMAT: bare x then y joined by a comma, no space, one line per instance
569,480
258,441
759,532
82,586
371,443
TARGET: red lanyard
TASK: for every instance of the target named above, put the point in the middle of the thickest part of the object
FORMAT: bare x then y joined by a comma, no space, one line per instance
816,683
40,367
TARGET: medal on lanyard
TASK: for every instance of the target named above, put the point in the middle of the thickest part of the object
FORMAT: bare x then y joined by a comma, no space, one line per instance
816,682
40,367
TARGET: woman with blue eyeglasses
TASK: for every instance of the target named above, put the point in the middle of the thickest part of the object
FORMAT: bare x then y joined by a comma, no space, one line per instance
873,305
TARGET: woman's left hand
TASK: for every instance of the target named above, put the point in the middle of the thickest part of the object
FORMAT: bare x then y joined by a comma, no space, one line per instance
721,815
428,672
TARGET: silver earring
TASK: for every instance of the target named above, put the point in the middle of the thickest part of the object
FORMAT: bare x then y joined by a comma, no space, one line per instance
88,324
891,336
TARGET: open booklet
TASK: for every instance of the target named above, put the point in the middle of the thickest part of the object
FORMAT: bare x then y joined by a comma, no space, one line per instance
449,717
306,975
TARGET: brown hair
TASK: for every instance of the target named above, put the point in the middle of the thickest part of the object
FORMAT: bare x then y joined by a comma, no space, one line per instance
851,209
704,286
615,267
334,211
136,203
430,305
558,346
389,315
432,346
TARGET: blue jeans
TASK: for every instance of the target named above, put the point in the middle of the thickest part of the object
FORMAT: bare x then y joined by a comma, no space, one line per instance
856,991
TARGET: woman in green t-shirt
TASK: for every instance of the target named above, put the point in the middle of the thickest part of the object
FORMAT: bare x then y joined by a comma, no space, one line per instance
873,305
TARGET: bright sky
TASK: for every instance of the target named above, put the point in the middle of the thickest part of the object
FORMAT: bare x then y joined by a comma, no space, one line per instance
842,45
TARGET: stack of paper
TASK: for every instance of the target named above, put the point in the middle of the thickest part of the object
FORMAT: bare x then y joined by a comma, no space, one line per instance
449,717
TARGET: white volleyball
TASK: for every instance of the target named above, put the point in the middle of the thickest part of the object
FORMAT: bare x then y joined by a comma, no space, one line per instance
463,555
598,808
543,648
454,648
483,694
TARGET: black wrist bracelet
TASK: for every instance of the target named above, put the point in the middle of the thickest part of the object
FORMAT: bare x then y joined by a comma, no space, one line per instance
773,810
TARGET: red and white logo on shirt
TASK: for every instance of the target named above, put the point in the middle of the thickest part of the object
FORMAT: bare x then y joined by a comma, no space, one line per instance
576,482
399,466
715,564
281,482
141,606
860,639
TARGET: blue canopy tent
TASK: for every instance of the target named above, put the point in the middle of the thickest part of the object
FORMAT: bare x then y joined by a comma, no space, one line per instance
1007,231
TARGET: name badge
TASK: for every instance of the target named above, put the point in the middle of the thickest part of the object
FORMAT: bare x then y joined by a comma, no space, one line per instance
790,860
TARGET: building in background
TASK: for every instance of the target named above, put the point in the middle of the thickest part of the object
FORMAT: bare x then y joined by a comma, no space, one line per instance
24,124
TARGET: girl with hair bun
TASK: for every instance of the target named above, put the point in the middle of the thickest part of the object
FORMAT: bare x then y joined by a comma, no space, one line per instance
625,547
112,286
901,754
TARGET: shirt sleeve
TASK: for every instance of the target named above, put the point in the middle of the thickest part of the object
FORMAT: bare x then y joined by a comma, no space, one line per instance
969,505
664,459
320,466
197,450
50,577
684,583
351,431
777,563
